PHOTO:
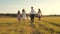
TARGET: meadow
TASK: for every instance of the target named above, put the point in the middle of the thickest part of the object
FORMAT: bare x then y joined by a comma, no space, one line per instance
47,25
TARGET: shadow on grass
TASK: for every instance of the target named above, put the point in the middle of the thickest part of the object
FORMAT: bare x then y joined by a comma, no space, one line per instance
58,32
6,24
45,28
53,23
49,29
34,31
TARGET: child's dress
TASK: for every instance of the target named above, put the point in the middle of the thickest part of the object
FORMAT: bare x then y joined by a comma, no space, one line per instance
19,17
24,15
39,15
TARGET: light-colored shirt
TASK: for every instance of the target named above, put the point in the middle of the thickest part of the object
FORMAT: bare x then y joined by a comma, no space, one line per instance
32,12
39,14
23,15
19,16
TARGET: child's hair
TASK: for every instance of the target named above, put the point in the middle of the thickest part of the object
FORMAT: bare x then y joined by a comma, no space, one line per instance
39,10
23,10
32,7
18,12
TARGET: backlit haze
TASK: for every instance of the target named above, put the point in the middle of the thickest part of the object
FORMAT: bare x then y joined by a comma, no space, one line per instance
47,6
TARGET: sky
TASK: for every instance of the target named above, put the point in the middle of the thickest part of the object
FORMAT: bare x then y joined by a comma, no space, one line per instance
47,6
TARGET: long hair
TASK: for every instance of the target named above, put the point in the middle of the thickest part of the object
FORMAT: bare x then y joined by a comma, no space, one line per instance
23,10
39,11
18,12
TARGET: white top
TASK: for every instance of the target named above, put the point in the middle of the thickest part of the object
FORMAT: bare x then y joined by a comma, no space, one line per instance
39,14
32,12
23,15
19,16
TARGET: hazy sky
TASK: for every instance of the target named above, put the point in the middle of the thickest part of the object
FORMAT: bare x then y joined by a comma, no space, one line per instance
47,6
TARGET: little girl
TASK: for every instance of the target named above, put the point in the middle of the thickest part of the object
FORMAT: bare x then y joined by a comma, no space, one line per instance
39,14
23,15
18,15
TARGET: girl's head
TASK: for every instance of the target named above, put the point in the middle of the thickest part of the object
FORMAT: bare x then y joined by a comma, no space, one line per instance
23,10
18,12
39,10
31,7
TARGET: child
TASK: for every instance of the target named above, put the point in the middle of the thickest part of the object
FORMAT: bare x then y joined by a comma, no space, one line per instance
39,14
18,15
32,14
23,15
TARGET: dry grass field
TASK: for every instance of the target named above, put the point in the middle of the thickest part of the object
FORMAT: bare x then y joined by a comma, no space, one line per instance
47,25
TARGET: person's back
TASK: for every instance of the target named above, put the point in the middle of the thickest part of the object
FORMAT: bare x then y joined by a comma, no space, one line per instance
39,14
18,15
23,14
32,14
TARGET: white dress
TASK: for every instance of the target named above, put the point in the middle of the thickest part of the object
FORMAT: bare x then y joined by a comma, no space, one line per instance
39,14
24,15
19,17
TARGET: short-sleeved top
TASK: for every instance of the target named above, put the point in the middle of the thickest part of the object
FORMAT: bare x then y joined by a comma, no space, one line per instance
39,14
23,15
19,16
32,12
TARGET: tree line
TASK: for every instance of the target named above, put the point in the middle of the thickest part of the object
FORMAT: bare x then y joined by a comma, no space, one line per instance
15,15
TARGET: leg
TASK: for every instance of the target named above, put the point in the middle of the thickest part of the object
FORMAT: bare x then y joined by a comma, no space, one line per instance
39,18
19,20
33,18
